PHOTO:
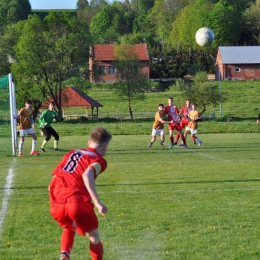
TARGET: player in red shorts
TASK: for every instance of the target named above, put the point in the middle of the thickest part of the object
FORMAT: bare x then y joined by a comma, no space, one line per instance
72,191
184,118
173,115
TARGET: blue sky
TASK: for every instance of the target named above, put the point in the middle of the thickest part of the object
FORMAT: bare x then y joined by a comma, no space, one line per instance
53,4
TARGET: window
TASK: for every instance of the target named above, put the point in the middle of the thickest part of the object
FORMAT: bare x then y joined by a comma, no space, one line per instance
237,69
111,70
102,70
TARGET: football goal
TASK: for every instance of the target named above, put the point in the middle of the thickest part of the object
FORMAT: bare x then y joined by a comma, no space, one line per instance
8,124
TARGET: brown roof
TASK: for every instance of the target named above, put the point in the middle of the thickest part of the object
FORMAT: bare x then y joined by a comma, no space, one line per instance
106,52
73,97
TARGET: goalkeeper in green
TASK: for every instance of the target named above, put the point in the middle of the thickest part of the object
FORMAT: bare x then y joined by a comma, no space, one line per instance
45,121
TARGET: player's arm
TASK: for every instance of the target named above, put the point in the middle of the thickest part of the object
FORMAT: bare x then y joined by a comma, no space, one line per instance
32,122
42,121
165,122
89,180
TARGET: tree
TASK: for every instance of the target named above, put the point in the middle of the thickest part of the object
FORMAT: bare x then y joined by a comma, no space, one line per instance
132,81
11,11
48,53
252,24
202,92
82,4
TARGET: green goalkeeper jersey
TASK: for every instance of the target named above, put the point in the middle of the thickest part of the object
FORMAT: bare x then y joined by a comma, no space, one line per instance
47,117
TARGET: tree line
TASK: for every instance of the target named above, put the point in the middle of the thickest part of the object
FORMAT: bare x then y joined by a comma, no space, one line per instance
46,54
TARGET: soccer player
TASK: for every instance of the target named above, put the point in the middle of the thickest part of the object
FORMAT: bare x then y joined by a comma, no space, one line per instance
184,118
45,120
158,126
173,115
26,126
193,124
72,191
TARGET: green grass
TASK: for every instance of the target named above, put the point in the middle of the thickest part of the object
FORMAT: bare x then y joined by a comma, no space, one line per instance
201,203
241,101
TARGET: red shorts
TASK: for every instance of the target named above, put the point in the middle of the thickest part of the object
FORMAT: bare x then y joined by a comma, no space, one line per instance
175,126
184,122
82,213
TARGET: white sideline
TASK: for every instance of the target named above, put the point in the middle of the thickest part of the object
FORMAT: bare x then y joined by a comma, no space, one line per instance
7,193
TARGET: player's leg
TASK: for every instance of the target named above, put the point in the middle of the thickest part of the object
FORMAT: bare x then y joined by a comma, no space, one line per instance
22,134
56,138
171,128
96,246
59,213
182,138
162,135
197,139
79,212
177,138
154,132
171,135
47,135
34,140
66,243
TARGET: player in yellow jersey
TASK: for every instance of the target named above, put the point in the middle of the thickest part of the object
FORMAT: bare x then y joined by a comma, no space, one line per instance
25,116
158,126
193,124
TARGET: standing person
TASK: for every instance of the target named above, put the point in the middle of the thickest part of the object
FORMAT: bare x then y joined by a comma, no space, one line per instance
45,120
72,191
184,118
173,115
193,124
26,126
158,126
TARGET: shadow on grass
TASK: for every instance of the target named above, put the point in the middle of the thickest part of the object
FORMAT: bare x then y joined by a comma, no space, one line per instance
142,184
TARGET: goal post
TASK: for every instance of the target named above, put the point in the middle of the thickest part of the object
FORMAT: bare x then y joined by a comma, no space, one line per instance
13,113
8,124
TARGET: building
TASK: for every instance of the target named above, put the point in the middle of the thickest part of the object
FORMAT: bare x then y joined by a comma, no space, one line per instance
101,62
73,97
238,62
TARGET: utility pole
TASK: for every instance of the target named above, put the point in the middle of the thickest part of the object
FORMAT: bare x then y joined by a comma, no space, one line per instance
219,86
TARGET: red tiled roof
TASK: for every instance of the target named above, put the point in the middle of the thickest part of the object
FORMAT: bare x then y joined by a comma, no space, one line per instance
105,52
73,97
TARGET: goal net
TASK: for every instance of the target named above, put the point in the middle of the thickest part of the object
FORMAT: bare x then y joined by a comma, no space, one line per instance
8,124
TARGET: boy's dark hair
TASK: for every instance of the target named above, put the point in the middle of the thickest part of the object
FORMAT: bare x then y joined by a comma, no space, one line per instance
161,105
52,102
170,98
195,104
28,101
100,135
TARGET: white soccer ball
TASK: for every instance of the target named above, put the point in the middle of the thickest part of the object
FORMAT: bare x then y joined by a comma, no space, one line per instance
204,36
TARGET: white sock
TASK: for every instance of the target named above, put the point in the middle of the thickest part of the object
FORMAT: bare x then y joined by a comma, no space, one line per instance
33,144
20,146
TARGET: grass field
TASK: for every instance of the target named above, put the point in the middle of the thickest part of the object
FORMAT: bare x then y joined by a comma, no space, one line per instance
201,203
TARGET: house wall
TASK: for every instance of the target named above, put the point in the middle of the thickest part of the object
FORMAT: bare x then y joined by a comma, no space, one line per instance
243,72
236,71
110,78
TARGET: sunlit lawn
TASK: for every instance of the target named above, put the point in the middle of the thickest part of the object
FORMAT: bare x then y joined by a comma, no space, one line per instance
201,203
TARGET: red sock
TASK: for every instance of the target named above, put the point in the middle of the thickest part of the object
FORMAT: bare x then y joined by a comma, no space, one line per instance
177,137
171,139
183,139
193,139
96,251
67,240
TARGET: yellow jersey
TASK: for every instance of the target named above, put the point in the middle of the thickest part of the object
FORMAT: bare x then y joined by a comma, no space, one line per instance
157,122
26,118
193,115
